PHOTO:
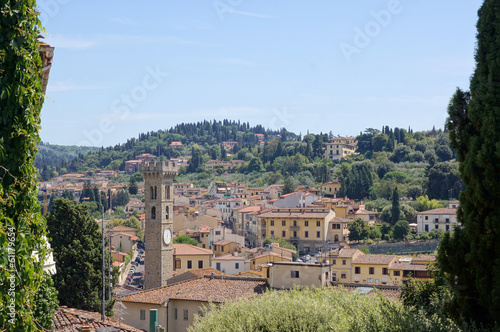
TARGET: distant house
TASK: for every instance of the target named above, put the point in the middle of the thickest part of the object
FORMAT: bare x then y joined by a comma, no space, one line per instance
231,264
132,166
146,157
177,303
340,147
188,257
288,275
176,145
330,188
443,218
124,242
224,247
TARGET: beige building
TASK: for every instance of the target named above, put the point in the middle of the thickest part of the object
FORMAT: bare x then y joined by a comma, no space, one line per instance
223,247
124,242
338,229
231,264
444,218
188,257
340,147
179,302
292,274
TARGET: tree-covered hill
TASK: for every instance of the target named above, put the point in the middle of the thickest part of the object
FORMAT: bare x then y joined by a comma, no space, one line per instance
417,163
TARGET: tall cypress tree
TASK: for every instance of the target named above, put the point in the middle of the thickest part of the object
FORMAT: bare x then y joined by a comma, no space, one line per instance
395,212
471,256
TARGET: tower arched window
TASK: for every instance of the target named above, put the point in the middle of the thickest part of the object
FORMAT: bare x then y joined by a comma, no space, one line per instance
167,191
155,192
167,212
153,212
151,192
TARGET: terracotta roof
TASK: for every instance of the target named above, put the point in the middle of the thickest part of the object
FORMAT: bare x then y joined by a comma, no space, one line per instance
337,219
348,252
187,249
251,274
131,237
252,208
194,274
440,211
272,254
72,320
223,242
229,257
374,259
386,292
206,289
363,211
423,259
303,215
115,263
121,228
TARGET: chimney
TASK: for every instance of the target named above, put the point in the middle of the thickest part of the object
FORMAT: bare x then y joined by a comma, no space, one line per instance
85,328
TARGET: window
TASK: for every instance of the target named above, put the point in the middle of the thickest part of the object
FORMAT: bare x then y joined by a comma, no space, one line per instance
447,219
272,233
334,262
283,233
153,212
272,222
371,270
436,226
426,217
357,270
186,314
447,228
343,275
306,223
295,274
222,248
217,232
344,262
426,228
143,314
283,222
396,273
306,234
217,266
318,234
200,264
155,192
318,223
295,222
190,265
175,313
236,266
294,233
385,271
177,263
203,245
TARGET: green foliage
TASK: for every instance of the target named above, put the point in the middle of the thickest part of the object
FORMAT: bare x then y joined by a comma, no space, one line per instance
406,213
185,239
401,230
76,242
322,309
254,165
395,210
357,179
289,185
424,203
444,181
132,222
358,230
21,223
133,188
46,302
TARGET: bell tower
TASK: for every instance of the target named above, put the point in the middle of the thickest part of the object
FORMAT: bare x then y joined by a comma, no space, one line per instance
159,199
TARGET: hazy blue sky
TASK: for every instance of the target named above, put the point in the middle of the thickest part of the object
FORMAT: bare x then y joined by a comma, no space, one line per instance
126,67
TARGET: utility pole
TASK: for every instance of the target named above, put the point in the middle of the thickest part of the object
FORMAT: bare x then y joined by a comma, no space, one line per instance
109,258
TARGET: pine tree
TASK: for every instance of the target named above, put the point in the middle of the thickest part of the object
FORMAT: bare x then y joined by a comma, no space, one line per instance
470,257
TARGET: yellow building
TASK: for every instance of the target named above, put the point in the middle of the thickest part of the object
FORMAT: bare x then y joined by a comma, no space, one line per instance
330,188
338,230
352,266
223,247
188,257
340,147
305,228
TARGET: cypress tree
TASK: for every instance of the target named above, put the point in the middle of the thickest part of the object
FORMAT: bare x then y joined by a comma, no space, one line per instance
471,256
395,212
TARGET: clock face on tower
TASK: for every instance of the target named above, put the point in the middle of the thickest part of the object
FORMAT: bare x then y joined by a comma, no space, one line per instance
167,236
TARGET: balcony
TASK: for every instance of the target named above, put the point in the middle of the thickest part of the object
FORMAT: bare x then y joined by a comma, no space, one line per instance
294,228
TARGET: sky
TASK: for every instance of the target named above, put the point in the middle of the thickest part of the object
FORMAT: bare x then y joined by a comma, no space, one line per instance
127,67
